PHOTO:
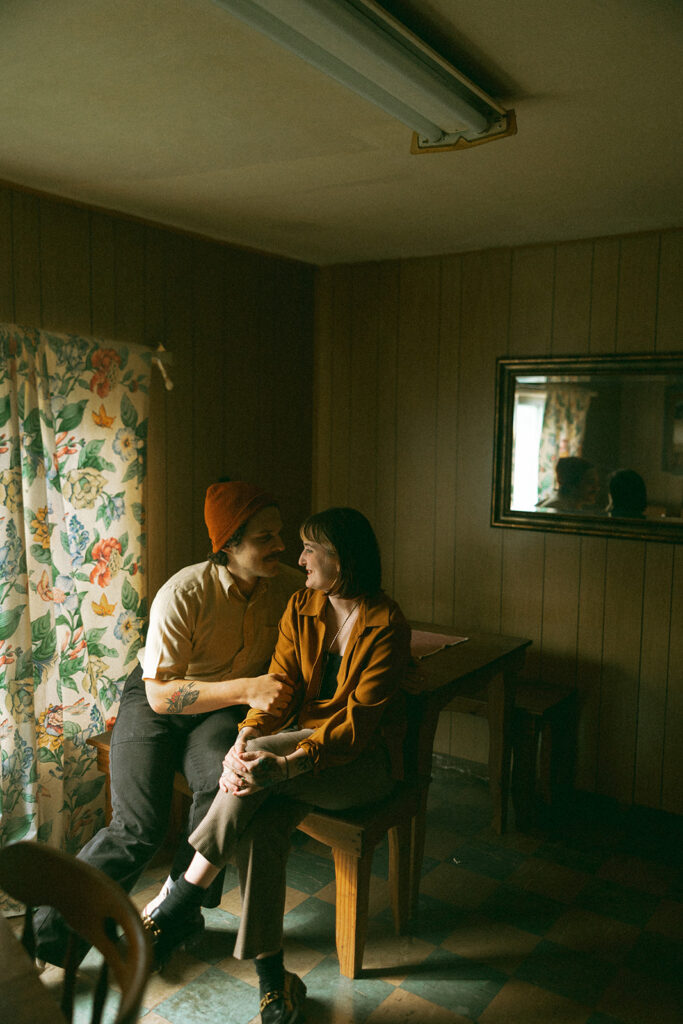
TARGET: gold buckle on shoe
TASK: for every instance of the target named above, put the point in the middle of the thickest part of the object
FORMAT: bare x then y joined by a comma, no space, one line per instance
292,993
270,997
151,926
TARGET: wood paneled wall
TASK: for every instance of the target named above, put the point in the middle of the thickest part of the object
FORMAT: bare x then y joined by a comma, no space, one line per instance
403,430
239,325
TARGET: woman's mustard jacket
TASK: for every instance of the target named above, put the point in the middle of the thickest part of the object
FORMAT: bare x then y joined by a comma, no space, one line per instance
368,703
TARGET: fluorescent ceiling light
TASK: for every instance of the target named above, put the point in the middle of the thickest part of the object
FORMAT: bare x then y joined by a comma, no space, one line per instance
360,45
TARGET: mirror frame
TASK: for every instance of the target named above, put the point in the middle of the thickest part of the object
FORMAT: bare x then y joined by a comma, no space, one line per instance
507,370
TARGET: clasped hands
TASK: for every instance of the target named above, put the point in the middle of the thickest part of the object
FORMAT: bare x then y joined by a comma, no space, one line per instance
246,771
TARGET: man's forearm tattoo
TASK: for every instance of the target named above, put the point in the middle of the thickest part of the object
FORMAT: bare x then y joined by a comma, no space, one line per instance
182,698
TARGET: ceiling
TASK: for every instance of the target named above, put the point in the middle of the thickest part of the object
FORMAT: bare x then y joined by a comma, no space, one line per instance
175,112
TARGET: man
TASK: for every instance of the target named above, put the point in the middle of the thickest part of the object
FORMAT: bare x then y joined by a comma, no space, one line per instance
576,486
212,631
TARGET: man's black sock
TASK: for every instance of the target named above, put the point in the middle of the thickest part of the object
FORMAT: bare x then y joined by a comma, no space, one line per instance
271,973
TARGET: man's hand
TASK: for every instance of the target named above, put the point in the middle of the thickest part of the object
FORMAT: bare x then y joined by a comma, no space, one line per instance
271,693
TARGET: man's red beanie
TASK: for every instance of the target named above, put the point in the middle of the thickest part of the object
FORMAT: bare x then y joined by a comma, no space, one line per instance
230,504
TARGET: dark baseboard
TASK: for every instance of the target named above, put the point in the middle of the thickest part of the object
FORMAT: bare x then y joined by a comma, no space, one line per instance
471,769
583,817
647,825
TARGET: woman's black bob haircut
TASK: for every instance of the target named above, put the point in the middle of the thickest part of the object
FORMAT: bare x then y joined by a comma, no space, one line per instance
354,542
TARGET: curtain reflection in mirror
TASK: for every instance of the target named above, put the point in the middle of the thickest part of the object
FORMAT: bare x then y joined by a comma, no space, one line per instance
549,426
563,432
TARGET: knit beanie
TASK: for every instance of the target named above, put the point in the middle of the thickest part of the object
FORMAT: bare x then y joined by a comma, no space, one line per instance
230,504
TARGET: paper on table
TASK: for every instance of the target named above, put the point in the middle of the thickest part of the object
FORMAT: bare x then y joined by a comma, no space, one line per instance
423,644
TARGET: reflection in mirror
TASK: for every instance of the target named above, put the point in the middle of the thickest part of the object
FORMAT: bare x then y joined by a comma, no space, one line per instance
590,444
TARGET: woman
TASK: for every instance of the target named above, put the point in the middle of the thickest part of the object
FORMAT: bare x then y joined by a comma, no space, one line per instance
335,743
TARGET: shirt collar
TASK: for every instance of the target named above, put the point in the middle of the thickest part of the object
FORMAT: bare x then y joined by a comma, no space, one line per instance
371,612
229,584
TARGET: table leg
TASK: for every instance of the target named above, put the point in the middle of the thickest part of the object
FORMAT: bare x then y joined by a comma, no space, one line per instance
501,699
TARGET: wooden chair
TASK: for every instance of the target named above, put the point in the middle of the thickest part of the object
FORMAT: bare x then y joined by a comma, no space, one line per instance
93,906
353,836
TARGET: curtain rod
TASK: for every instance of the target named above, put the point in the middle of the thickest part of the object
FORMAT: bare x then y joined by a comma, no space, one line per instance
159,356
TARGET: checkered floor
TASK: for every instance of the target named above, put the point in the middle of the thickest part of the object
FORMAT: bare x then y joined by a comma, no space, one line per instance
582,928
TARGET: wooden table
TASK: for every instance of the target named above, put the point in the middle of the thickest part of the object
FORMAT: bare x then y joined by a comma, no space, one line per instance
483,662
23,998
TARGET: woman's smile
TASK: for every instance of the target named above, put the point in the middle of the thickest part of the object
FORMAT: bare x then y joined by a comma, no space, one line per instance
320,564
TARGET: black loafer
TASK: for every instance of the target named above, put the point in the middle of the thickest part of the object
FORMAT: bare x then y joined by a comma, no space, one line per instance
284,1006
181,931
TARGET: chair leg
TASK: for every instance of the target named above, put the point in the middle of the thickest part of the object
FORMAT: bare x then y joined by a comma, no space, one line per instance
100,993
107,799
418,827
353,891
70,969
501,696
400,841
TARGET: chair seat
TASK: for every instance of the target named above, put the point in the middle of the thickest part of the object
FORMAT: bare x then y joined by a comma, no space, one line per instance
359,830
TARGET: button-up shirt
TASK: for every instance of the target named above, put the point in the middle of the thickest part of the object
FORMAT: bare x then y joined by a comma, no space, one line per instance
202,627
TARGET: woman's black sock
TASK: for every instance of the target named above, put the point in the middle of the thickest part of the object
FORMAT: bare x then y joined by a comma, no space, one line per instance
271,973
184,896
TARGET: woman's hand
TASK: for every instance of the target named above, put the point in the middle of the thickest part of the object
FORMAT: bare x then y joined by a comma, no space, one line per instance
246,772
232,775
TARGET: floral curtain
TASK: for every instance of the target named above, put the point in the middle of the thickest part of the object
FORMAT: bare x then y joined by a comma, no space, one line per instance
562,433
73,426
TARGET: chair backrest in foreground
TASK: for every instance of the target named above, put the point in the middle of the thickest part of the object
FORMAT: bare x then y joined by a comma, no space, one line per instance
94,907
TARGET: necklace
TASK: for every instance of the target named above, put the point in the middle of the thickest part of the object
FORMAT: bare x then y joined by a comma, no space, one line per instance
331,643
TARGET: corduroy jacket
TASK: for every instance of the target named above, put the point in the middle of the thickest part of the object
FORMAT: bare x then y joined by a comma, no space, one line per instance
368,705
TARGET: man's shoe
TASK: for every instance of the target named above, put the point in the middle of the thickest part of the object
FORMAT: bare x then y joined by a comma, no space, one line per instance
284,1006
179,931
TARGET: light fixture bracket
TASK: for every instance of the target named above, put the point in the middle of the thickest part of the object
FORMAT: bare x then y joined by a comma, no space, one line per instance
500,129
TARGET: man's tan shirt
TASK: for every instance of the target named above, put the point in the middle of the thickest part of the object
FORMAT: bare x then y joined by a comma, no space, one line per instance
201,627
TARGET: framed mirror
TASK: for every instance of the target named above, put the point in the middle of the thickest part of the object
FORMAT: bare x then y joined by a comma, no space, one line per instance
590,444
